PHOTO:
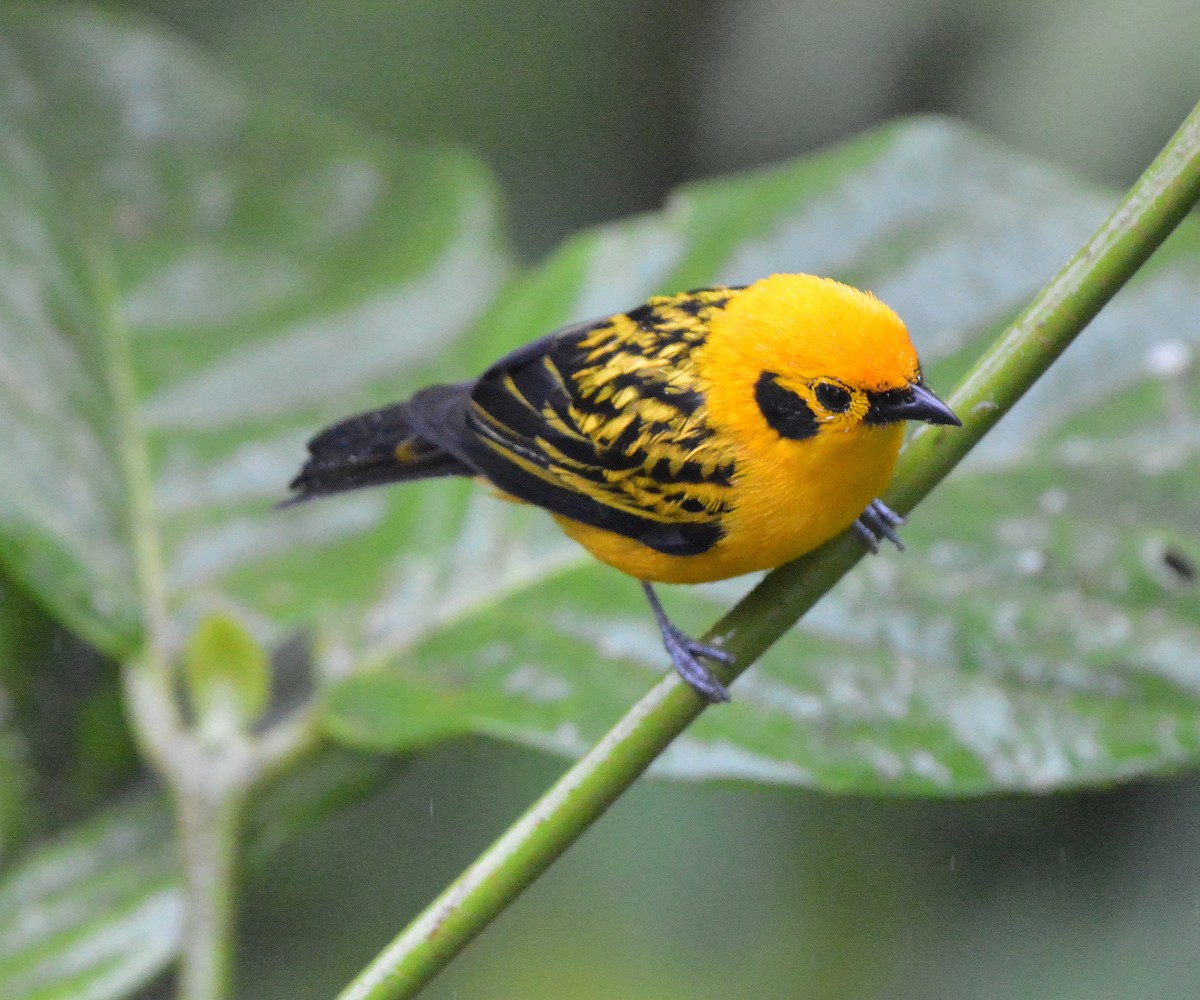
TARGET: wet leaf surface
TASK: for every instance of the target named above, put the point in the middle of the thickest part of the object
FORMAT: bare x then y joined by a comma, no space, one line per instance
268,272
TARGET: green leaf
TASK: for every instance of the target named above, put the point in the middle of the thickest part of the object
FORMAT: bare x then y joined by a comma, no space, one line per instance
321,785
227,673
1038,633
376,713
97,912
191,283
247,274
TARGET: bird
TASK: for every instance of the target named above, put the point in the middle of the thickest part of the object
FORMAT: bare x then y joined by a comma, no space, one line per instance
699,436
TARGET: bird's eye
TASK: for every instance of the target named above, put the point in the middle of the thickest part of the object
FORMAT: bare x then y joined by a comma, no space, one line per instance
833,397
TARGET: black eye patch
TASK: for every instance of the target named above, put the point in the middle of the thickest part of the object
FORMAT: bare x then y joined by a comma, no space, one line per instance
833,397
785,412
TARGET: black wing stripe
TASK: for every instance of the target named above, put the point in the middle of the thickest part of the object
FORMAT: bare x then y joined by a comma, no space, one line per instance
672,539
499,436
604,423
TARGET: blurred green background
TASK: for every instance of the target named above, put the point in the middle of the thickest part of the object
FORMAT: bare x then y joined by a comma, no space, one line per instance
592,110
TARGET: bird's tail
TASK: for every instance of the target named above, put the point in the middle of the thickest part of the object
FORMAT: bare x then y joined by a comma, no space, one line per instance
368,450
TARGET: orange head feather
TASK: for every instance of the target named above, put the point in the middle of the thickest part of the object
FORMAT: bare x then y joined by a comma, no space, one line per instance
806,327
804,330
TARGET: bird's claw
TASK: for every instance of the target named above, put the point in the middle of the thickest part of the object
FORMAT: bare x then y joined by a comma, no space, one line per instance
876,523
686,654
703,649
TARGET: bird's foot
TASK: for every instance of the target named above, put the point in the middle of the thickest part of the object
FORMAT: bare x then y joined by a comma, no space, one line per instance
686,654
876,523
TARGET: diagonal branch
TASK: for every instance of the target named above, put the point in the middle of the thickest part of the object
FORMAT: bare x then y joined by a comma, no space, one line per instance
1160,199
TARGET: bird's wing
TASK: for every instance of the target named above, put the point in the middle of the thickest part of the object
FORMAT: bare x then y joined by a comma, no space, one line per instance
604,423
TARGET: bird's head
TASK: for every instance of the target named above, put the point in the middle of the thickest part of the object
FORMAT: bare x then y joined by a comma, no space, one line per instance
794,355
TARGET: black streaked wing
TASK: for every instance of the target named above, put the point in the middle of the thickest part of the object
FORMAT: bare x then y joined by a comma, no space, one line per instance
550,425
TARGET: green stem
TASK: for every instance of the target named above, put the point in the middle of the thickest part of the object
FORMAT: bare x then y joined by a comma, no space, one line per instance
529,846
154,713
210,781
133,458
206,813
208,828
1154,206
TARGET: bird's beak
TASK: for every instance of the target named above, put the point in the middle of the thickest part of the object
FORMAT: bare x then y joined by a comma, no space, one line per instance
914,403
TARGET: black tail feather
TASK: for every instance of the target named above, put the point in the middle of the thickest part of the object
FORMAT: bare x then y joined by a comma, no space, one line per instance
370,449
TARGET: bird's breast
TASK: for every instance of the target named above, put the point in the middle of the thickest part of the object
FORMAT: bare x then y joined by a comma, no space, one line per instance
787,497
797,495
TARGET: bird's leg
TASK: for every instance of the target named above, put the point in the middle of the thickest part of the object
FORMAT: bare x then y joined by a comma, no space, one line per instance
876,523
685,653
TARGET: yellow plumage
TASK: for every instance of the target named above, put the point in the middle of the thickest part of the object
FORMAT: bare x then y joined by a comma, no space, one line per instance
786,496
700,436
